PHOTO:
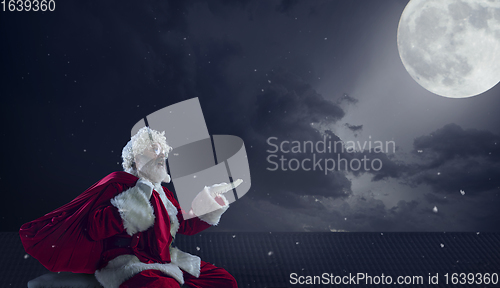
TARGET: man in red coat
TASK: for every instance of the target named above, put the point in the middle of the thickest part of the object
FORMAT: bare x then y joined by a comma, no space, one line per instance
122,227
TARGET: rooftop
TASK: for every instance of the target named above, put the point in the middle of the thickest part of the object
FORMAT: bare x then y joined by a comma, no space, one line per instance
270,259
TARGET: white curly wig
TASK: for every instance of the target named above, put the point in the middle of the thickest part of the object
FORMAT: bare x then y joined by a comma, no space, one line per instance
138,143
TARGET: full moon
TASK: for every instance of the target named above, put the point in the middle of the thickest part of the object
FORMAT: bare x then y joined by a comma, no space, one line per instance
451,47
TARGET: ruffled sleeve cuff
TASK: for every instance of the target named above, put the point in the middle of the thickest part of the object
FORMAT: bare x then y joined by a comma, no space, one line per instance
207,208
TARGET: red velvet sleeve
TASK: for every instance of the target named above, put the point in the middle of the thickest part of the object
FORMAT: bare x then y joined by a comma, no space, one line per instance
104,221
187,227
191,226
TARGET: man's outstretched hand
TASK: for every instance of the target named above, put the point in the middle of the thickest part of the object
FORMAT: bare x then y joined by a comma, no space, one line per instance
211,198
217,189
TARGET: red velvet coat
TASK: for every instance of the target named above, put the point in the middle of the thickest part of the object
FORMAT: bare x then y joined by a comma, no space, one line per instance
73,237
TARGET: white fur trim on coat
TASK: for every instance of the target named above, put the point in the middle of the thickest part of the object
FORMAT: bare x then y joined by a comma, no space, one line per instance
135,210
171,210
213,217
125,267
185,261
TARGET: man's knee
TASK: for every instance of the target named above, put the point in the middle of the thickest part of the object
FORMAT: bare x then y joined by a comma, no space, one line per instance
150,278
212,277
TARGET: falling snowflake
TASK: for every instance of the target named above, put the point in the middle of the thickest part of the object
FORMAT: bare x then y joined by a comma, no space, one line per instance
198,248
435,209
270,253
420,151
462,192
26,256
297,243
442,245
345,219
234,236
439,173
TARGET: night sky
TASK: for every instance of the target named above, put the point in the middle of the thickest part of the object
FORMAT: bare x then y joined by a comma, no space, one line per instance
74,82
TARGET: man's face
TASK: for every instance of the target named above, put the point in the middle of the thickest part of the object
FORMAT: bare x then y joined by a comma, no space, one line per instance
150,163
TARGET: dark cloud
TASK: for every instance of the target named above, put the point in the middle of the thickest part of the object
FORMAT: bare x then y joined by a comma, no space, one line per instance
347,99
391,168
354,128
456,159
362,213
453,142
288,109
289,106
461,167
450,159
